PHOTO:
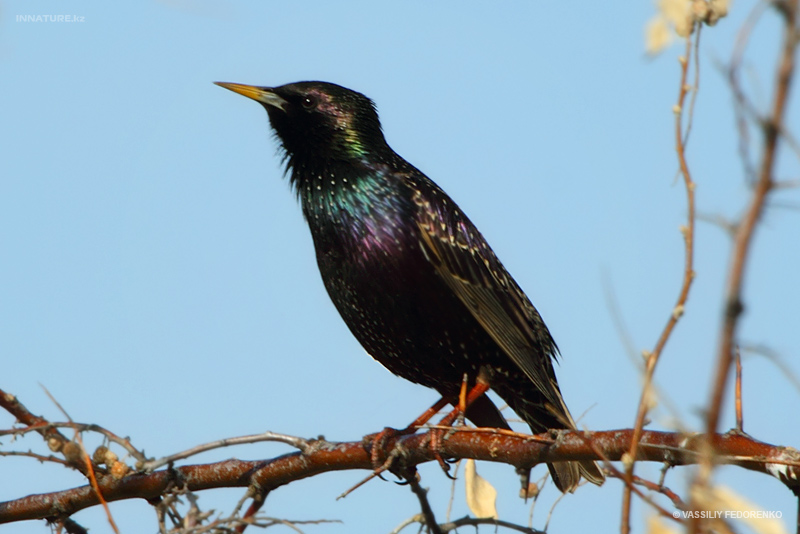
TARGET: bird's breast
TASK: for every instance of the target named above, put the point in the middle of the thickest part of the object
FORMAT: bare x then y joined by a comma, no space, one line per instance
363,221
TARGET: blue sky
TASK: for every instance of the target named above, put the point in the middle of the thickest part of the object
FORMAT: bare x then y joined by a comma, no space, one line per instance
157,277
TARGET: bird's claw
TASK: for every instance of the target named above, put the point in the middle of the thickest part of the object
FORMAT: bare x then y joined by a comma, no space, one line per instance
377,447
436,438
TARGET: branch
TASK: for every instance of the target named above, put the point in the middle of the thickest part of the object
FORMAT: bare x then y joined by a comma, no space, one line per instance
428,516
55,439
743,238
477,521
681,137
322,456
298,443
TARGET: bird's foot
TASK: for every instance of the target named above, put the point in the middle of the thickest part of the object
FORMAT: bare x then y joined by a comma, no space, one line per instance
377,446
454,420
436,437
376,443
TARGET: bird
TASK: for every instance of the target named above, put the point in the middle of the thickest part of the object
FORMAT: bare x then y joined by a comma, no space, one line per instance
411,276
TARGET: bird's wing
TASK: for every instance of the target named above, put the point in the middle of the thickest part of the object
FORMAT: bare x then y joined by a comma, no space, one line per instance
470,268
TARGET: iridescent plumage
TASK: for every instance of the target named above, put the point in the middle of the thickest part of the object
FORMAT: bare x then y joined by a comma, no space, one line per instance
411,276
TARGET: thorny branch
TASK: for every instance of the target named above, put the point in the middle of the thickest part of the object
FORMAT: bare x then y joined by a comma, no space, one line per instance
743,237
55,439
323,456
773,130
152,465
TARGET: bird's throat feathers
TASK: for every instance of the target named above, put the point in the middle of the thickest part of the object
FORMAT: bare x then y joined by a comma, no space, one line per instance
357,207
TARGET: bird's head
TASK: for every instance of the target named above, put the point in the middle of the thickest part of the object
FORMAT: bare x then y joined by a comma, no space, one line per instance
319,121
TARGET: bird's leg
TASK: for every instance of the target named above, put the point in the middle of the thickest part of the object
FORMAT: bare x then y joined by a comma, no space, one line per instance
464,401
477,390
378,441
429,413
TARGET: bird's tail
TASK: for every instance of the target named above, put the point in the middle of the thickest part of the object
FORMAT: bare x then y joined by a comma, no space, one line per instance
540,417
567,475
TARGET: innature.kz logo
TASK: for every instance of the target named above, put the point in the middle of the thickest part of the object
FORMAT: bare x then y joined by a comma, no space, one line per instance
50,18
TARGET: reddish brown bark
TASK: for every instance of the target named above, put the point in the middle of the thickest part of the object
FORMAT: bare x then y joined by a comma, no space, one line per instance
323,456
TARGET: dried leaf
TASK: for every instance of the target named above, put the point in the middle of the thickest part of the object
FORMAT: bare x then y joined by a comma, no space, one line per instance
481,496
677,13
734,506
657,35
655,525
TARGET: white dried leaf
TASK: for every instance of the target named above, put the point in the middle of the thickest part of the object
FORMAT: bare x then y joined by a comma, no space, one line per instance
657,36
655,525
734,506
719,9
481,496
677,13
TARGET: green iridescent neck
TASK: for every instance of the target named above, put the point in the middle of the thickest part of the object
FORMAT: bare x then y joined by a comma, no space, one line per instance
337,188
353,145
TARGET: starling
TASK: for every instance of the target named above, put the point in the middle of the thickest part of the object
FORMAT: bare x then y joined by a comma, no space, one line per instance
413,278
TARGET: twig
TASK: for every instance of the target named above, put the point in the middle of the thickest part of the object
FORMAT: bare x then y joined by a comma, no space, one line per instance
742,103
88,463
240,504
13,406
494,431
746,229
233,524
727,226
787,184
695,89
475,522
616,473
771,129
417,518
688,277
739,416
298,443
259,498
72,527
656,487
539,485
552,508
452,491
393,455
44,426
35,456
451,526
777,360
412,476
619,322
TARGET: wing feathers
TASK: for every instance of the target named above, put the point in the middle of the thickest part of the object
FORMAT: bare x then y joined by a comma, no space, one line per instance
468,266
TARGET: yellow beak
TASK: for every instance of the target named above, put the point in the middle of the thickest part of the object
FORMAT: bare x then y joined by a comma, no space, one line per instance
265,95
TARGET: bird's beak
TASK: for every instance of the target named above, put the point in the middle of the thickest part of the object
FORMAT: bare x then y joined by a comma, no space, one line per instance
265,95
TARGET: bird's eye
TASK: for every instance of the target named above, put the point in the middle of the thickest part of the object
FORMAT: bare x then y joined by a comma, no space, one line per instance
309,102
